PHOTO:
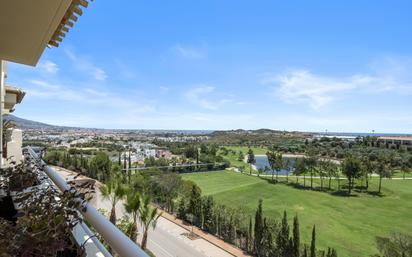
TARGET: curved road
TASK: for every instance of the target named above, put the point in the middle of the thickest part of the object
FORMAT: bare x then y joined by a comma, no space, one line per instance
167,240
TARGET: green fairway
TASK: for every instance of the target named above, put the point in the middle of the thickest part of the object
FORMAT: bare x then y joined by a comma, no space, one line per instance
245,149
348,224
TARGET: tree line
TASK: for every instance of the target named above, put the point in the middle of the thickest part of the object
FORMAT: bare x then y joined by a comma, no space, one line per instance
357,167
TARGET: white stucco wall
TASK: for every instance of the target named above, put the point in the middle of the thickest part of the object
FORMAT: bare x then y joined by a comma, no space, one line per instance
14,139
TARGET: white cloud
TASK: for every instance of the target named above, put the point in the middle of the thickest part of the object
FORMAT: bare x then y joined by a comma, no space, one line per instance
163,89
48,66
203,96
303,86
189,52
86,66
88,96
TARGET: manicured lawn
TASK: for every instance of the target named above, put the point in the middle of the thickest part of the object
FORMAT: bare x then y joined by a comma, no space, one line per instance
349,224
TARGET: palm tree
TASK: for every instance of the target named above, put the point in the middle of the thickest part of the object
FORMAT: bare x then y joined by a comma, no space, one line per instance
148,217
114,192
132,206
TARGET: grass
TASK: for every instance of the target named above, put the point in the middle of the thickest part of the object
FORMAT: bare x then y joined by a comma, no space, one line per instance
349,224
233,158
245,149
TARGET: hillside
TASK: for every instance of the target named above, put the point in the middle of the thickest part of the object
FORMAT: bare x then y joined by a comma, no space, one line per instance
29,124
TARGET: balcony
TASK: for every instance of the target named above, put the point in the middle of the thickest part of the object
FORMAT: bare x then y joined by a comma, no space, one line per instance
34,180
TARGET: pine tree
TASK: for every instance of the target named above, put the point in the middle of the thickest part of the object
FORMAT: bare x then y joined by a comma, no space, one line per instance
296,237
313,243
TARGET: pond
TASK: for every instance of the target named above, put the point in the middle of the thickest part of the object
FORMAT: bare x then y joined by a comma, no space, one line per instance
262,162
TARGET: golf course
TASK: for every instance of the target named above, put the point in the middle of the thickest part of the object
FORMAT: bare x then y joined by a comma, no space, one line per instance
349,224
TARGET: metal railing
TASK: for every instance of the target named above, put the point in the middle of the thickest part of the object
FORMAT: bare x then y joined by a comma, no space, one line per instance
178,166
118,241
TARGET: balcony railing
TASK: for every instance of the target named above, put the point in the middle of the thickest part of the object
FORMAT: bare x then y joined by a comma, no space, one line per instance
118,241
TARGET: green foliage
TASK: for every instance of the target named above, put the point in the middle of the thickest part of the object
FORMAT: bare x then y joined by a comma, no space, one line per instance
259,230
148,217
313,243
195,203
296,238
113,191
350,232
351,168
46,220
251,159
397,245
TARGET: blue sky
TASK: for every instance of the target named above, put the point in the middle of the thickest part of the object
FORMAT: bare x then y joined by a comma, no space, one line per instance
293,65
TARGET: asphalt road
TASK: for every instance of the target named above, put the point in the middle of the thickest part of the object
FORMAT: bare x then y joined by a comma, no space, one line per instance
167,239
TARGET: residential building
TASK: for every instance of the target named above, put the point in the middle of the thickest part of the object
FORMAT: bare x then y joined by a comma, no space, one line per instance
396,142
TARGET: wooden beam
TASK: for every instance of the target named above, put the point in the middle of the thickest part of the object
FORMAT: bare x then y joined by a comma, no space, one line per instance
54,43
78,11
69,23
73,17
83,3
58,39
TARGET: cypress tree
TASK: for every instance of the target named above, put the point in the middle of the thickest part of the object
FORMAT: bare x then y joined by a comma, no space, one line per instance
313,243
296,237
181,210
208,205
258,229
329,252
305,251
120,159
124,162
195,204
290,248
282,239
267,241
249,236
